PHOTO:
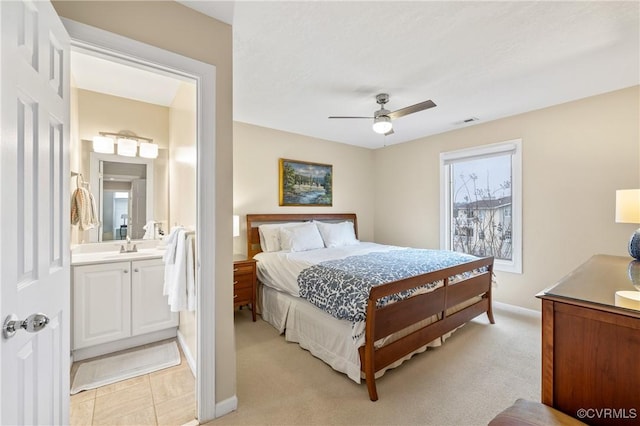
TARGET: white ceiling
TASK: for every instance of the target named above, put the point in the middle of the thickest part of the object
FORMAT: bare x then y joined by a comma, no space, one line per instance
116,79
296,63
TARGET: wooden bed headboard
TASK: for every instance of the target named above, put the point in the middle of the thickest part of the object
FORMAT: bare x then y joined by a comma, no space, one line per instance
255,220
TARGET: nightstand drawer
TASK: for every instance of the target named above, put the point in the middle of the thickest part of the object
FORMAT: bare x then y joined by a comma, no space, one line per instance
243,270
243,295
242,281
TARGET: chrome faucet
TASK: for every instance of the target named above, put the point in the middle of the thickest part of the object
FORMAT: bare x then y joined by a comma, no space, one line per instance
128,249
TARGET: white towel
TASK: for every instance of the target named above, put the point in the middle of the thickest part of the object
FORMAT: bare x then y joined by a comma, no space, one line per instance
149,230
178,278
179,281
169,258
191,279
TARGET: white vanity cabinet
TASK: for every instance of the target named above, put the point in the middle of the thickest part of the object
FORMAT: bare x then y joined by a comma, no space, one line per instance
149,308
115,301
101,303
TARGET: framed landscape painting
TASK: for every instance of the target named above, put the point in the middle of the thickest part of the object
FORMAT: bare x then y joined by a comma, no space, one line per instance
305,184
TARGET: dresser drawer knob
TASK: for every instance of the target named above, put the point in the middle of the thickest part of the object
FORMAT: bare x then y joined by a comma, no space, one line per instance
235,269
235,295
235,282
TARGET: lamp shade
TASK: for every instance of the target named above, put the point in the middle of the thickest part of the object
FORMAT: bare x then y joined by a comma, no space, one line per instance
628,206
382,124
103,144
127,147
148,150
236,225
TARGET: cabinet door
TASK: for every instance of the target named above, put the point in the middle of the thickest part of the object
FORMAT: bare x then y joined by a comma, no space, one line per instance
101,303
149,307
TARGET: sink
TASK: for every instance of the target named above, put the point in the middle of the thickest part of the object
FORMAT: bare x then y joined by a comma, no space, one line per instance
133,254
104,256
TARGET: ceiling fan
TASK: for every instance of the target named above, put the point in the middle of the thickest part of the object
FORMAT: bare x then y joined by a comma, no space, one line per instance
382,117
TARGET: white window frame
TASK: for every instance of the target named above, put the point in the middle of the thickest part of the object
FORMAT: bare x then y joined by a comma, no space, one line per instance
513,147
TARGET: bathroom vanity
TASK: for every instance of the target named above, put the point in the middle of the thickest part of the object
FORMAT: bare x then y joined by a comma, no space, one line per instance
117,300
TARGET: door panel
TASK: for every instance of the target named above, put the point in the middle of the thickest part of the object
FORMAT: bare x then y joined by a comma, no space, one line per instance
34,211
149,307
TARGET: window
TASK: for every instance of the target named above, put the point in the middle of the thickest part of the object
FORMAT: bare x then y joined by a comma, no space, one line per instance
481,203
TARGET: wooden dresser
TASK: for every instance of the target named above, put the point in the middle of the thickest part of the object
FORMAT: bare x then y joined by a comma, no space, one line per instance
590,346
244,283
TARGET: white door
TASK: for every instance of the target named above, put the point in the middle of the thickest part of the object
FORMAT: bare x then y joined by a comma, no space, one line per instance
101,303
34,212
150,309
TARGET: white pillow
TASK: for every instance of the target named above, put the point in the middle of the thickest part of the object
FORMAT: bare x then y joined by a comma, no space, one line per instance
270,235
301,238
337,234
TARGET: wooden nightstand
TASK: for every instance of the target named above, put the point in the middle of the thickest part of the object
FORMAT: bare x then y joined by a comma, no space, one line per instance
244,283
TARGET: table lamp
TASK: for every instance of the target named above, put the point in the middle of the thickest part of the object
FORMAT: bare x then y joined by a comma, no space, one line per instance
236,225
628,211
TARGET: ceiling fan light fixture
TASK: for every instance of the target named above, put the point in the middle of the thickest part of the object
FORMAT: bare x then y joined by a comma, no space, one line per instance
382,124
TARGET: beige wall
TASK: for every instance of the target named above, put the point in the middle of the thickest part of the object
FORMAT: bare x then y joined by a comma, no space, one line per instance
575,156
182,187
171,26
256,151
98,112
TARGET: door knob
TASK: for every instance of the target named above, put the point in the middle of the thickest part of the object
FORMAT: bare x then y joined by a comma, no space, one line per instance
33,324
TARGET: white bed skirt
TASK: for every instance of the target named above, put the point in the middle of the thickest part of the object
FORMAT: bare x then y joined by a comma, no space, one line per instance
326,337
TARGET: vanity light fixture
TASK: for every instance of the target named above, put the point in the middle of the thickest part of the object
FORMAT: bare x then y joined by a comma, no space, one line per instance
127,145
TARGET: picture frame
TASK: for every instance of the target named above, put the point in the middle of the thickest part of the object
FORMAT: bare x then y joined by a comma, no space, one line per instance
303,183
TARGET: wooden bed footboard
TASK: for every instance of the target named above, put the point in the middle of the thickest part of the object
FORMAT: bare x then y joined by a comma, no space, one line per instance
384,321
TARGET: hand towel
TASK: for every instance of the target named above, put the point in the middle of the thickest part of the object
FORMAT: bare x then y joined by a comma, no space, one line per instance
149,230
191,279
169,258
83,209
177,287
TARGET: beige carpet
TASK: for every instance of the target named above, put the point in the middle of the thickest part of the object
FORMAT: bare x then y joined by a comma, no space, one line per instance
477,373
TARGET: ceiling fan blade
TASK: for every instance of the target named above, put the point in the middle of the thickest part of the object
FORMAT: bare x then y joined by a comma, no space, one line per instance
340,116
411,109
389,133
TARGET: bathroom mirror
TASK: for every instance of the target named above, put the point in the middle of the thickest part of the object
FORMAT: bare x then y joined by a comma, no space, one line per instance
124,196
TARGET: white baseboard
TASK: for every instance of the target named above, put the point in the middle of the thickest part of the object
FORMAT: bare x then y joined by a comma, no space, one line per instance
508,306
226,406
187,353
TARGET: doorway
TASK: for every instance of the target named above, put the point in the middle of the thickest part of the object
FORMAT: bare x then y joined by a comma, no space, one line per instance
121,50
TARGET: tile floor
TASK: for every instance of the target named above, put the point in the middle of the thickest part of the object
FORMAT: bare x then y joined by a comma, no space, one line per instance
164,397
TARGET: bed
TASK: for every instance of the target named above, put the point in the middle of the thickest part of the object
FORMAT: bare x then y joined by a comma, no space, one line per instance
398,318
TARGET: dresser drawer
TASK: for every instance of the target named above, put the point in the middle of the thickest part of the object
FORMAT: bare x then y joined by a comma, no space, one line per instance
243,295
242,281
244,284
243,270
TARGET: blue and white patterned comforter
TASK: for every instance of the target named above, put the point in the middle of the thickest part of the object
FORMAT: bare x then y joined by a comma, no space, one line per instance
341,287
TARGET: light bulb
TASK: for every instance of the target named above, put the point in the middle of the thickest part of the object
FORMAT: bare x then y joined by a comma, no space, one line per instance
103,144
382,124
148,150
127,147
